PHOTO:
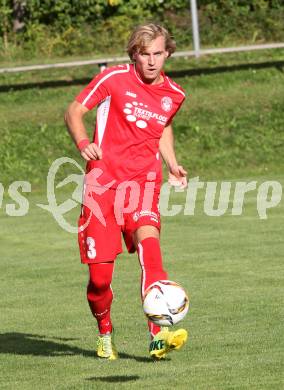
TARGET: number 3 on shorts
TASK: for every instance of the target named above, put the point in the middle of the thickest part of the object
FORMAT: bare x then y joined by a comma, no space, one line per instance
92,253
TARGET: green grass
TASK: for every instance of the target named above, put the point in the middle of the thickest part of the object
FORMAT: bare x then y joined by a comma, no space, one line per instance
231,266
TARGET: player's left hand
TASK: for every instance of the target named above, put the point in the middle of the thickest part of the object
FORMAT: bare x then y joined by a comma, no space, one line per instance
177,176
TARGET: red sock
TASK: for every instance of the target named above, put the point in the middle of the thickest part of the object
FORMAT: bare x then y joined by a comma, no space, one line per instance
99,294
150,257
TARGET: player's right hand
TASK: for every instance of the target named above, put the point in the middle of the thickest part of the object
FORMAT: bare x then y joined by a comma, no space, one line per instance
92,152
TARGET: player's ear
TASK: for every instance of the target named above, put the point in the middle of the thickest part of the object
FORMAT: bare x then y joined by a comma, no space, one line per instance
167,54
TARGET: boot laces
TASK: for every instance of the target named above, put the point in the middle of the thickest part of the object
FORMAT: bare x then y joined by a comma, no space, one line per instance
105,342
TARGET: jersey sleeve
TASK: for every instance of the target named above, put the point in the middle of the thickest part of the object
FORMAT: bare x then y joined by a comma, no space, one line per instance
101,86
95,92
179,97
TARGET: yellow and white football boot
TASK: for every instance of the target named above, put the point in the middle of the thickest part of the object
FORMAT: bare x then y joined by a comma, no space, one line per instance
106,348
166,341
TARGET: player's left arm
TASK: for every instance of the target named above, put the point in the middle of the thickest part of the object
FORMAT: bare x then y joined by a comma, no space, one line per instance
177,174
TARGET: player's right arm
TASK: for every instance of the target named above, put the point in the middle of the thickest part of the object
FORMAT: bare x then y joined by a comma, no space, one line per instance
94,93
76,128
100,87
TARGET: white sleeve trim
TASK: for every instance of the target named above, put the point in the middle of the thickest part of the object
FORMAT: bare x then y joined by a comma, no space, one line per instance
102,80
175,88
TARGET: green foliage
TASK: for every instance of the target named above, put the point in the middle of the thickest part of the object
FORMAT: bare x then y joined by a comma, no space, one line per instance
222,21
60,28
5,13
5,22
62,14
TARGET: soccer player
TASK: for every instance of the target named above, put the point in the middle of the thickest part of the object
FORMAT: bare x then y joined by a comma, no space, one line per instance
136,104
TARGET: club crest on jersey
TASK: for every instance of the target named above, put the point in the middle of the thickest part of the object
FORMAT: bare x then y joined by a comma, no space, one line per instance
166,103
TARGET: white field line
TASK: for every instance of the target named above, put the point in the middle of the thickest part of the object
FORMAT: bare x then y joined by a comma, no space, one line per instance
104,61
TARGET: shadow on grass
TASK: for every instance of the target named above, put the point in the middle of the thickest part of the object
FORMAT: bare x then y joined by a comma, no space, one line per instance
225,69
176,74
114,378
38,345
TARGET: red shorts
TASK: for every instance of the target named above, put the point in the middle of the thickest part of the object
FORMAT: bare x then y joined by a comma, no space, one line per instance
104,216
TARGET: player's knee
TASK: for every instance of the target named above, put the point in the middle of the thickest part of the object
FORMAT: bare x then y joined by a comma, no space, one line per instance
100,276
98,287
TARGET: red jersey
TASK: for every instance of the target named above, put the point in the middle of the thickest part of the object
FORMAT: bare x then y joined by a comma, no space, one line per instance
131,117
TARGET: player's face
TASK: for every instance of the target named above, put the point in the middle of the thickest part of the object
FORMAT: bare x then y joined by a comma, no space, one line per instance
150,61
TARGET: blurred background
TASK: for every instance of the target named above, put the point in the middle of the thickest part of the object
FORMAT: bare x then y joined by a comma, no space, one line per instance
47,28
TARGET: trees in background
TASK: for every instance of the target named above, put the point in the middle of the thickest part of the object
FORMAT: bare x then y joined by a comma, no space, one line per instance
31,28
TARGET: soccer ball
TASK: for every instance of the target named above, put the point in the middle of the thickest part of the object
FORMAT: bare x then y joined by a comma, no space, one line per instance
165,303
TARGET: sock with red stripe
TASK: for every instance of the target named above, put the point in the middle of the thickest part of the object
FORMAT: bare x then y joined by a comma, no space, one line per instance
150,257
99,294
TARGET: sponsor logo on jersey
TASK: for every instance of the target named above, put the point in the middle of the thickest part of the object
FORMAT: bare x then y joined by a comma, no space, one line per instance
128,93
138,113
136,216
166,103
145,213
145,114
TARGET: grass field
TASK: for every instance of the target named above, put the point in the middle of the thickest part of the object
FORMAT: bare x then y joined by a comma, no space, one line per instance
231,123
231,266
231,127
